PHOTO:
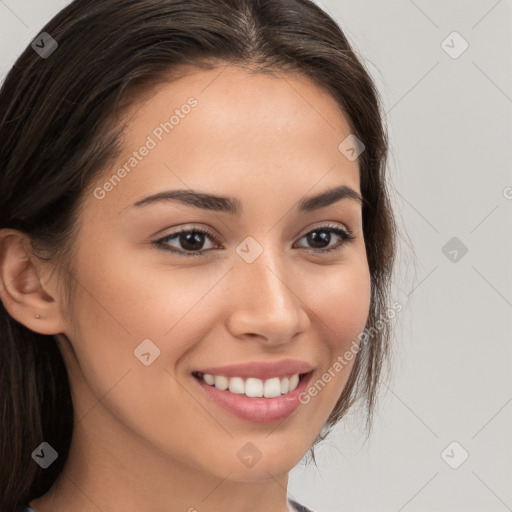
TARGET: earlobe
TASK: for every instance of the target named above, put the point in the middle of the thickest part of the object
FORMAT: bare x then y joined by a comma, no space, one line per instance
21,290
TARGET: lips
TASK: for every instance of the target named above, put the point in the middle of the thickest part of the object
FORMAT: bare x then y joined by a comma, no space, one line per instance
259,369
252,409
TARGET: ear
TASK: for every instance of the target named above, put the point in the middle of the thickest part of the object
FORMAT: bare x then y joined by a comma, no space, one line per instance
27,289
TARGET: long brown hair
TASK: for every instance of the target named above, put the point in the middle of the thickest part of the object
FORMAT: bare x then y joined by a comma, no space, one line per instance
59,132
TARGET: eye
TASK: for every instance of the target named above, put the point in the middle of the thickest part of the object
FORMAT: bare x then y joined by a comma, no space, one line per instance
192,240
323,234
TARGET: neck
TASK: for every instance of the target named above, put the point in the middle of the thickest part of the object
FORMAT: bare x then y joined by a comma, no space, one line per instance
110,467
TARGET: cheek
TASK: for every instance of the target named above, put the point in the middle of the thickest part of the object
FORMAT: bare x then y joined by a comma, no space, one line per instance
124,301
342,308
342,305
121,304
135,298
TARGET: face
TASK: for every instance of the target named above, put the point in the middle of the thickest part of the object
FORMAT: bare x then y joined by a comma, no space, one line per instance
265,277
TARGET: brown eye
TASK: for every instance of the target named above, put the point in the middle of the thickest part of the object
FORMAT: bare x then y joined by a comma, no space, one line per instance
321,237
190,240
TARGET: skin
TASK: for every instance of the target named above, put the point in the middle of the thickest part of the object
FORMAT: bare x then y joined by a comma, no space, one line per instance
145,439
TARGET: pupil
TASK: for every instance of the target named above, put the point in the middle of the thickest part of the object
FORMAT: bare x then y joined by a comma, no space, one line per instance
190,238
323,237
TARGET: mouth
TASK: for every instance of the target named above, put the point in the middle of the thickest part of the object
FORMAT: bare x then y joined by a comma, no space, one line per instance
253,399
253,387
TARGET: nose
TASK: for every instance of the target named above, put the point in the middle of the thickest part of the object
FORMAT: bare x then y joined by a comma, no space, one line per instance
266,302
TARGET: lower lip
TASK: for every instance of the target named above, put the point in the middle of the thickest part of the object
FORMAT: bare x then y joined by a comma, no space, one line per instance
258,410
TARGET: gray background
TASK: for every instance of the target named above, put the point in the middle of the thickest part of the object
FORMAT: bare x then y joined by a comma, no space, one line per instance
450,128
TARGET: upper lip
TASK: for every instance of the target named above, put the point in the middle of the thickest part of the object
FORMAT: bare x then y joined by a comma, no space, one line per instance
260,370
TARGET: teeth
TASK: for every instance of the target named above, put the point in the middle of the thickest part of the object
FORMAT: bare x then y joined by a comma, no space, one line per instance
294,381
209,379
220,382
271,388
236,385
253,387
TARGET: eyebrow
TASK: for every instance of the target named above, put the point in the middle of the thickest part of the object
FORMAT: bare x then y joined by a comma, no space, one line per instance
234,206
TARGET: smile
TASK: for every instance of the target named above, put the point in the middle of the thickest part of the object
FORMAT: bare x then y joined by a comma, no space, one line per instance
252,386
253,399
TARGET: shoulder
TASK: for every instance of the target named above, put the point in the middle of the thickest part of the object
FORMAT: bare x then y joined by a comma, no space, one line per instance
298,507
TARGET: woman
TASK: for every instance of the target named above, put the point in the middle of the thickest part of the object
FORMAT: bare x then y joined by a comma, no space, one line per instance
195,236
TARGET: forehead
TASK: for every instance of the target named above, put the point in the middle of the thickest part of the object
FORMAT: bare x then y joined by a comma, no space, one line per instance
237,96
228,130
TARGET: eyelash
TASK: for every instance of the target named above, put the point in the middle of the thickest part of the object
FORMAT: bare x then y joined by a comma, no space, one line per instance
346,236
